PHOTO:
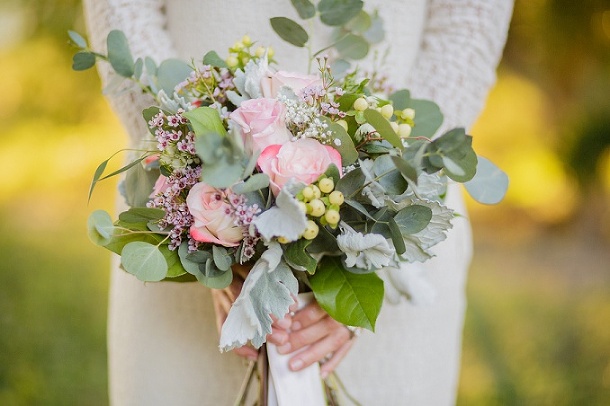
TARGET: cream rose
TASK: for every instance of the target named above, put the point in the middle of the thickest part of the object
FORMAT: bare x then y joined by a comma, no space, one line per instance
303,160
214,221
262,123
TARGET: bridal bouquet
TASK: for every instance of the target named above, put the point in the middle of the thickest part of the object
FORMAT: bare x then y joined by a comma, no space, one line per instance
317,181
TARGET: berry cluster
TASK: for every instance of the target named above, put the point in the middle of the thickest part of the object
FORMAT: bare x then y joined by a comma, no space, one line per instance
321,203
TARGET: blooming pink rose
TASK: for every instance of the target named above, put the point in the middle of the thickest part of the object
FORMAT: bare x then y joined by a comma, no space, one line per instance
262,123
214,221
296,81
303,160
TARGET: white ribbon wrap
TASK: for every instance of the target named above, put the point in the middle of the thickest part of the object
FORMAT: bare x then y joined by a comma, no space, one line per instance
288,388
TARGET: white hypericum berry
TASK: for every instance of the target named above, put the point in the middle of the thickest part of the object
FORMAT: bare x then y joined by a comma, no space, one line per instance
316,192
232,61
404,130
336,197
283,240
302,206
246,40
387,111
326,185
408,114
260,51
311,231
361,104
317,208
394,126
333,217
307,193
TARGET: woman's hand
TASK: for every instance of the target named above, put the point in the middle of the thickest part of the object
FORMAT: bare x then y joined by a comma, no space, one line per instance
328,340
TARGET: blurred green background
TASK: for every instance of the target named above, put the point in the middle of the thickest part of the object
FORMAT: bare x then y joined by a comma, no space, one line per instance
538,323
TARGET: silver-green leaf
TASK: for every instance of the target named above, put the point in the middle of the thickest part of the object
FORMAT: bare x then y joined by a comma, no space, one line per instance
338,12
290,31
119,54
489,184
144,260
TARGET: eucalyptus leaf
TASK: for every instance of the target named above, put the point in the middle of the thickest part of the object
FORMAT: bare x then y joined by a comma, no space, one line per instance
351,183
413,219
396,235
99,227
352,299
139,185
489,184
119,54
174,265
189,265
141,215
401,99
212,58
137,68
144,260
405,168
338,12
77,39
428,118
359,207
352,46
360,23
170,73
222,258
305,8
206,120
346,147
223,173
290,31
83,61
376,33
383,127
256,182
151,66
452,167
333,172
97,175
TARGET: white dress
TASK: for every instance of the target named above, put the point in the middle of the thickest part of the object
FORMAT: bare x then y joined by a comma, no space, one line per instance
162,337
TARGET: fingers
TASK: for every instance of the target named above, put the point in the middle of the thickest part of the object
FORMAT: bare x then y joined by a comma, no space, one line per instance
316,352
307,316
330,365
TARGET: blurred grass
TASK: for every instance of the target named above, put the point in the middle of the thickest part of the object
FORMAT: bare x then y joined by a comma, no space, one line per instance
537,329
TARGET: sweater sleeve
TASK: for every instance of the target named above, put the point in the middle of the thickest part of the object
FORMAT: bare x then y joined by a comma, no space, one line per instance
143,22
461,48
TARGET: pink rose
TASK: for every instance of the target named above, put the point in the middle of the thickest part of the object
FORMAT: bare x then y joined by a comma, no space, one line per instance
303,160
262,123
161,185
296,81
214,221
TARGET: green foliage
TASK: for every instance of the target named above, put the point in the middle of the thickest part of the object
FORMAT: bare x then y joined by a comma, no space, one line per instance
139,184
305,8
206,120
290,31
338,12
212,58
352,46
383,127
352,299
171,72
254,183
144,260
119,54
100,227
141,215
489,184
413,219
83,61
297,256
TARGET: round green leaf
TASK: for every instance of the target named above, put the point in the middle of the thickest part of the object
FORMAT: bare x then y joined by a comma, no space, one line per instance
352,47
119,54
144,260
100,227
83,61
489,184
77,39
305,8
413,219
338,12
171,72
289,31
428,118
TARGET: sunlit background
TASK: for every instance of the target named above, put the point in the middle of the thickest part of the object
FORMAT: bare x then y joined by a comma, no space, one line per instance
538,323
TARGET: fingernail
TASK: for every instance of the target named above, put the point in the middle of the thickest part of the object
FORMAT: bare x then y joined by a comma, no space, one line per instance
296,364
283,349
284,323
296,326
323,374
